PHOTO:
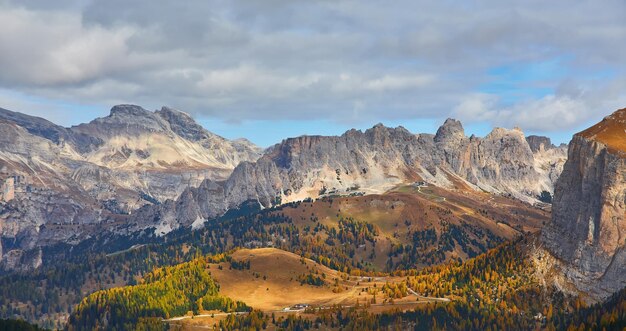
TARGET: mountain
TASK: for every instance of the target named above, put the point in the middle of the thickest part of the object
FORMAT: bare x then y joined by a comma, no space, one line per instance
373,161
155,171
68,184
136,139
586,239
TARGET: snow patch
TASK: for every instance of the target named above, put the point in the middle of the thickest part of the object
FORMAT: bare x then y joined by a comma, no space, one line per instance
163,229
198,223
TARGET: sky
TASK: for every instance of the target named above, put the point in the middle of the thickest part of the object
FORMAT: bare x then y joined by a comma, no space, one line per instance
270,69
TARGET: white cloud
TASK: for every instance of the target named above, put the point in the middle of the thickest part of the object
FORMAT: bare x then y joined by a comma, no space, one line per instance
547,114
477,107
54,49
348,61
390,82
550,113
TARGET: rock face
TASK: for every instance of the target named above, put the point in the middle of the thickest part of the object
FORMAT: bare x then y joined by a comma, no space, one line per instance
588,230
370,162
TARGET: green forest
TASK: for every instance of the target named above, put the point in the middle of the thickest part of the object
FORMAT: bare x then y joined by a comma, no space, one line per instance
165,292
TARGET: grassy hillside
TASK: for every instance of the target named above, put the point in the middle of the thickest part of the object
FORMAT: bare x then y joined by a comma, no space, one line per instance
276,279
415,227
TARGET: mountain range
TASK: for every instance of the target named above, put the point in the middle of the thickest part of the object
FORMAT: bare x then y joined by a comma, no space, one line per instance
70,182
138,170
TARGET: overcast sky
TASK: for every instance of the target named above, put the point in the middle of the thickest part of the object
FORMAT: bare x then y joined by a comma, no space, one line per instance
268,69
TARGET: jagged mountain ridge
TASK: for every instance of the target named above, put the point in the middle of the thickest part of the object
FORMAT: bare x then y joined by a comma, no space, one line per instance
135,138
586,240
372,161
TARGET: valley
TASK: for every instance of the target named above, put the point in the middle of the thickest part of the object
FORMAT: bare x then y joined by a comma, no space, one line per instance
363,236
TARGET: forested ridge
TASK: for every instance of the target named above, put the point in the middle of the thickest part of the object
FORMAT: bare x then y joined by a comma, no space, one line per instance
17,325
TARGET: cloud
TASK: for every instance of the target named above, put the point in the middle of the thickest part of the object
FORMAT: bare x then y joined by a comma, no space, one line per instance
477,107
53,49
572,106
346,61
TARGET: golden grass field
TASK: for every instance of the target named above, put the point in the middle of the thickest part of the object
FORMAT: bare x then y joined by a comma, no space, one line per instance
281,287
271,284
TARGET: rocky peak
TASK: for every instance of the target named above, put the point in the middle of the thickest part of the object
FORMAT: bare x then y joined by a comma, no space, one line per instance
377,131
502,132
128,110
183,124
128,120
244,142
36,125
380,134
508,145
43,128
538,143
611,131
451,130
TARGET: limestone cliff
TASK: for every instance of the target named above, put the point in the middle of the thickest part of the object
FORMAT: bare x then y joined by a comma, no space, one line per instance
587,235
155,171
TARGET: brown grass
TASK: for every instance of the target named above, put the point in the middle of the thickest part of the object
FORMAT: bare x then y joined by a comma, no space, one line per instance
281,287
611,131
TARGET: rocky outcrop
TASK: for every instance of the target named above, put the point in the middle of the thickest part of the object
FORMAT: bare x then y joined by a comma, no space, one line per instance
587,235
